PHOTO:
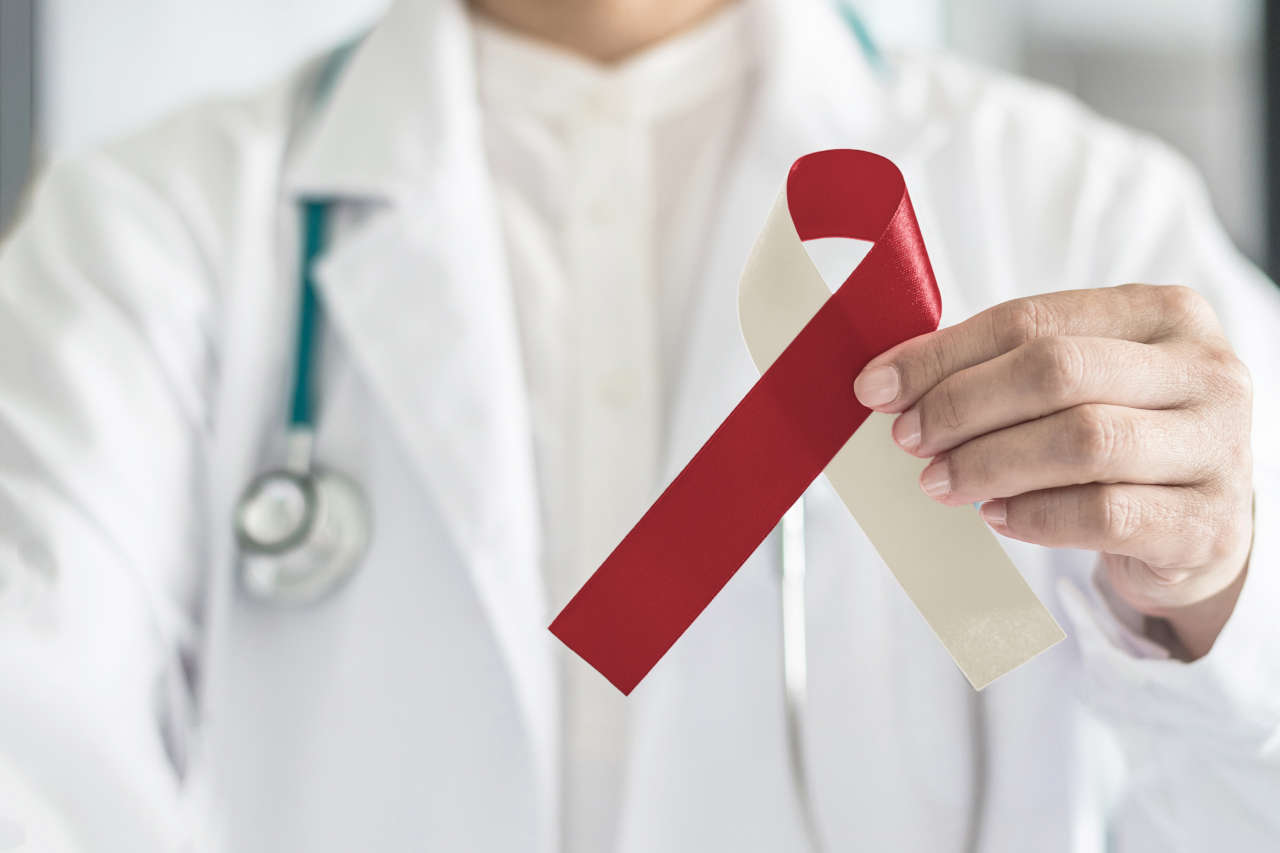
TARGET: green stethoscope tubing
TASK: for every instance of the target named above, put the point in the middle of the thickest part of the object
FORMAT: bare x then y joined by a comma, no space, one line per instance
315,223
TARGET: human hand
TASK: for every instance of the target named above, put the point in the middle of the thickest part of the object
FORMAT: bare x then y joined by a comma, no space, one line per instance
1115,420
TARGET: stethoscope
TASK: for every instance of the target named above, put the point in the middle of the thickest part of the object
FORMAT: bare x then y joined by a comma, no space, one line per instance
303,530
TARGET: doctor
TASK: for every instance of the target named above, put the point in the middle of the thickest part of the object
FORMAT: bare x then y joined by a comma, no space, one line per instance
537,213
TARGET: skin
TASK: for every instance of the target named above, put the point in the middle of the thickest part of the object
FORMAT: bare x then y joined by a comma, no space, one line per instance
1115,420
603,30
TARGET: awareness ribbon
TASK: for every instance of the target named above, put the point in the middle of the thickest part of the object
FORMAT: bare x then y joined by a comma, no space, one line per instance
800,418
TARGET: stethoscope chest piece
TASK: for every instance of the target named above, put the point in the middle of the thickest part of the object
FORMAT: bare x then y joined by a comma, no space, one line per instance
301,535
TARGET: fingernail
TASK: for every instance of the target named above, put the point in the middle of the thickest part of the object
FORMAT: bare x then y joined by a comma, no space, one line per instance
906,429
936,479
877,386
994,512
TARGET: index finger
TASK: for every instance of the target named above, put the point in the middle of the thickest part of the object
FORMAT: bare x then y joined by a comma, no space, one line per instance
895,379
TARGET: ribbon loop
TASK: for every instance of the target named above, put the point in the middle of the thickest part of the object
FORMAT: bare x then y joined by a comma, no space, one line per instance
799,417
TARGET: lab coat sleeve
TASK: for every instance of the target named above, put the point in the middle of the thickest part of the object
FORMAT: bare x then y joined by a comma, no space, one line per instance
104,362
1201,739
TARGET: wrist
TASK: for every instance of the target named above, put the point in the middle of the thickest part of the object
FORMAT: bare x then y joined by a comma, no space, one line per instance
1189,632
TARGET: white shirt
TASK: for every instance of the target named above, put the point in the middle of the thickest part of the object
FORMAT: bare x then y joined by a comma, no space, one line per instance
605,178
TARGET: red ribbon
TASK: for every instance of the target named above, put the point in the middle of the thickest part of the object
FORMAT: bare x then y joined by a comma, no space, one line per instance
778,439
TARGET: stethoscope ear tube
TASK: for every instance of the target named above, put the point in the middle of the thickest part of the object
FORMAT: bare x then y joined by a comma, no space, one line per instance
795,658
793,569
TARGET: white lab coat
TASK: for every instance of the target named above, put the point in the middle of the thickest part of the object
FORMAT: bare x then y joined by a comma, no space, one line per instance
146,332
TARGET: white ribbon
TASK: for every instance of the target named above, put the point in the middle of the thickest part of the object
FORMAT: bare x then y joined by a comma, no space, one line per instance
946,558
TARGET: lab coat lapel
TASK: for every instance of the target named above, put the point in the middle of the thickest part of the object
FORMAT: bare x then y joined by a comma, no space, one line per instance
419,295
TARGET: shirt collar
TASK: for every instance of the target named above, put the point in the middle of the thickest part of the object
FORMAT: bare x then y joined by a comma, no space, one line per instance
519,74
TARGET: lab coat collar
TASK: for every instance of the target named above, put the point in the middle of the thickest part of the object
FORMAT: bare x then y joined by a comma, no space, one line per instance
393,111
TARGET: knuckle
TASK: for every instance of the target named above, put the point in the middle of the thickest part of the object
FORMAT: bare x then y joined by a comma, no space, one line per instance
1231,376
1182,299
920,369
1120,516
1032,515
1047,514
1203,534
935,370
1225,531
1093,437
1019,322
970,470
1221,546
1183,304
1056,368
943,409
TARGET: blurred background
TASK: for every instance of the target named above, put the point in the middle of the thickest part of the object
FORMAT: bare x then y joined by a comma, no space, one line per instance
73,72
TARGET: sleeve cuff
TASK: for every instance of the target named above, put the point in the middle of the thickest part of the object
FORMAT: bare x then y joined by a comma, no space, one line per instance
1233,691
